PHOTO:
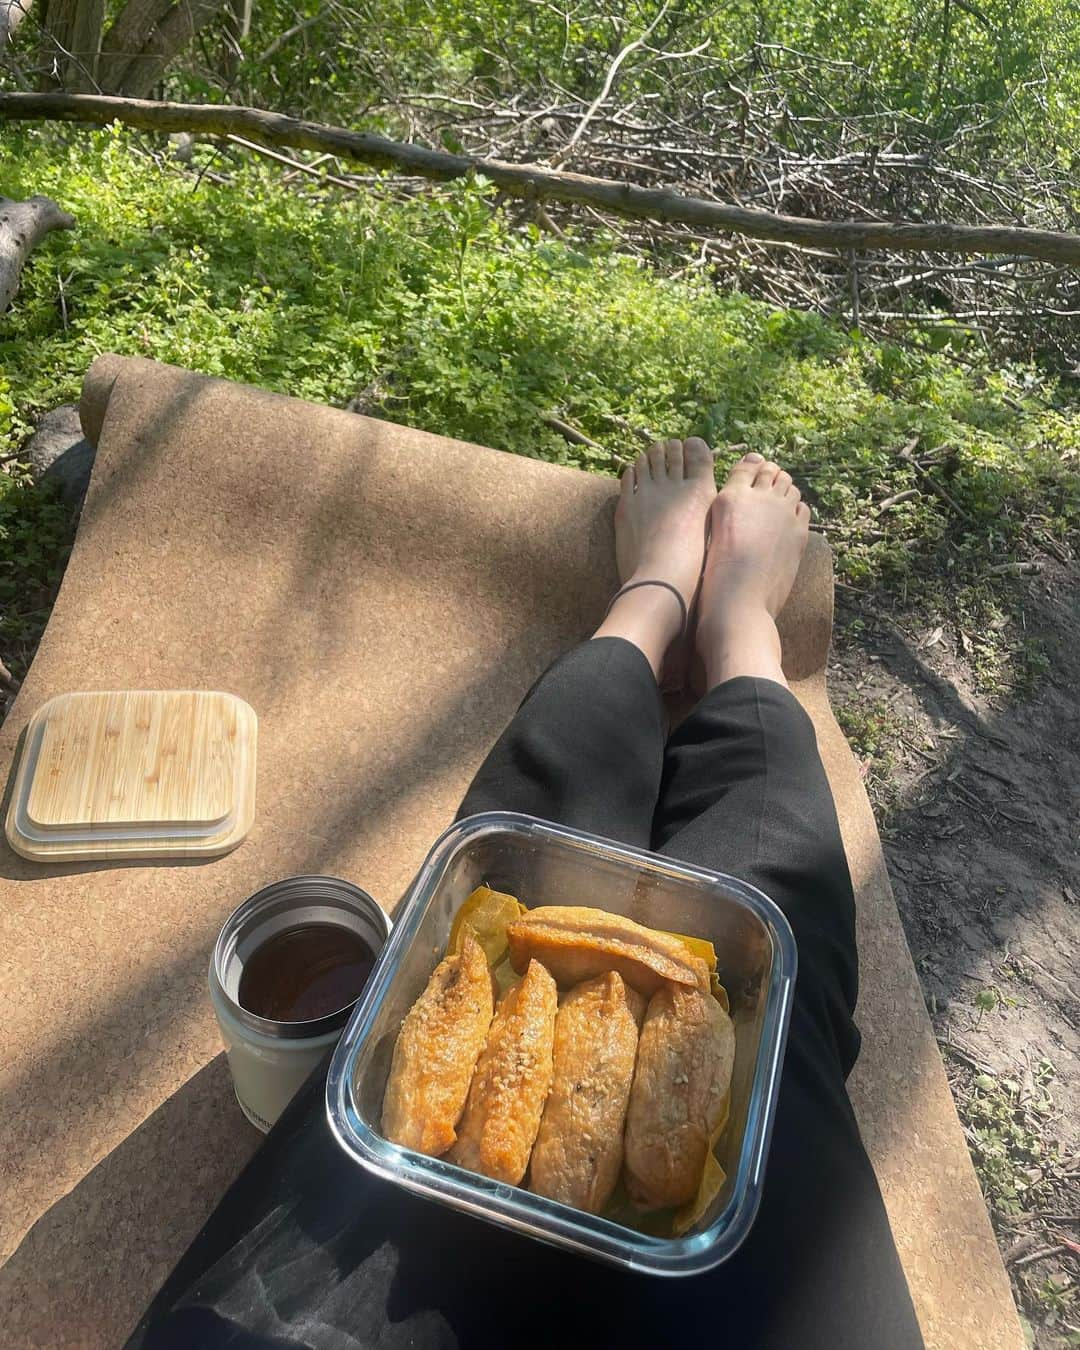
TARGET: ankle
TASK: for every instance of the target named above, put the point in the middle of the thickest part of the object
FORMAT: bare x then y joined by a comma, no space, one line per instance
648,616
740,640
659,592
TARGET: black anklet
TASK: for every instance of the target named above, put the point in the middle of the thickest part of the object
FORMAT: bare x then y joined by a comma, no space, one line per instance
667,585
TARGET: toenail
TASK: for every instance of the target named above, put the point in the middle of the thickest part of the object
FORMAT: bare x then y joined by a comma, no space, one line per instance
754,458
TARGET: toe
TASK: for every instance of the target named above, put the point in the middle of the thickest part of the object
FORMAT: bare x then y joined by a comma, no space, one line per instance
627,482
673,459
697,458
802,514
642,472
766,474
782,482
793,494
656,459
745,470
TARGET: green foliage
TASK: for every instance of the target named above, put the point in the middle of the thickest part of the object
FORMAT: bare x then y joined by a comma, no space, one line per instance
35,536
871,728
936,62
1006,1129
435,312
873,731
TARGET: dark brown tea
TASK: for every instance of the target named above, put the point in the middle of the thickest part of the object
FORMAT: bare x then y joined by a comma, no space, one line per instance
305,972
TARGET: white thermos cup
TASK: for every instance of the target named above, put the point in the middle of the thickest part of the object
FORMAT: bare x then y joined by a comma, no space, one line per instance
270,1058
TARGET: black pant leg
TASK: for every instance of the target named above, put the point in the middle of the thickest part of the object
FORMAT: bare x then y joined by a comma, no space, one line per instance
585,748
307,1250
744,792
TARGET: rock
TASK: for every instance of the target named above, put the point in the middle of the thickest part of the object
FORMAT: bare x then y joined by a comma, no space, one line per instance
71,471
59,453
183,146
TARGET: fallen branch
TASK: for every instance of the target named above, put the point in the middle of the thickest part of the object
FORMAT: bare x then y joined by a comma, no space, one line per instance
295,165
569,432
992,773
642,434
1041,1254
930,481
908,494
533,180
1021,568
23,225
1054,548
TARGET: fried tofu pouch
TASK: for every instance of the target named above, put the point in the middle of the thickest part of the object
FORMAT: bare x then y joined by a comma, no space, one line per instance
436,1052
511,1083
578,944
679,1095
578,1152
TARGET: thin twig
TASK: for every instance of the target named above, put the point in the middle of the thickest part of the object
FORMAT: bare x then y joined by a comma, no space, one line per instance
63,298
964,1056
287,36
561,155
930,481
1040,1254
294,164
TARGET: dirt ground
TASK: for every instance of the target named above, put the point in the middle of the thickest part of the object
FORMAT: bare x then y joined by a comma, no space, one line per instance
979,802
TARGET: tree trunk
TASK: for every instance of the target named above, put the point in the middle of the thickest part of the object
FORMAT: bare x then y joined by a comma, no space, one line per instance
71,41
171,35
23,225
131,57
126,37
538,183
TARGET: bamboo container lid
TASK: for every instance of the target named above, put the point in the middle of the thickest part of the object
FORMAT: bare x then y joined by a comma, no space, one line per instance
134,774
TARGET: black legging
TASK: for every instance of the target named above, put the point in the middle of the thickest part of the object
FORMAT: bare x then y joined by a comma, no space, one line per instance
307,1249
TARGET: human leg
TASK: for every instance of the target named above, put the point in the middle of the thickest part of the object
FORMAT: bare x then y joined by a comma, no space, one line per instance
586,747
744,792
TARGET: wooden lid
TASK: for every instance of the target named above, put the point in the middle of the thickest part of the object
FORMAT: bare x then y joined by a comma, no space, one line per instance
135,774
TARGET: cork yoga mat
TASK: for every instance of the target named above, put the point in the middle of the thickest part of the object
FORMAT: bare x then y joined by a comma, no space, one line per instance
382,598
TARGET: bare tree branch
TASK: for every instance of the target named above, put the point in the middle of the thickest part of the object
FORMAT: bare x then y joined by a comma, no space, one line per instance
287,36
562,155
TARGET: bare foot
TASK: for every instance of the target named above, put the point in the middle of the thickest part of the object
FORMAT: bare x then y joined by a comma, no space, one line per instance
660,519
759,526
660,525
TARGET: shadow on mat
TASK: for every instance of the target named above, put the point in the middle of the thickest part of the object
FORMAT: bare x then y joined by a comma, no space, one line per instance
113,1220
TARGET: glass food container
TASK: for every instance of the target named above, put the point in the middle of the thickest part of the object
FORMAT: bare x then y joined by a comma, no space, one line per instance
545,864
